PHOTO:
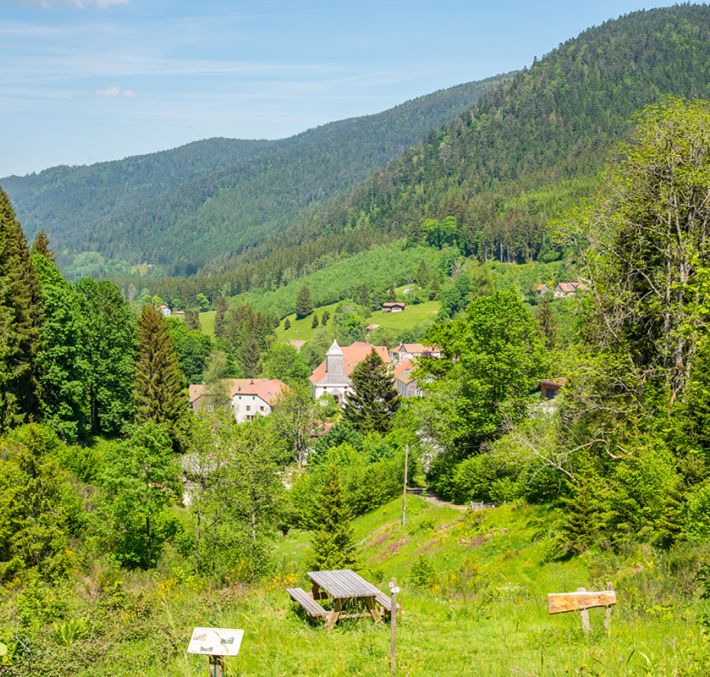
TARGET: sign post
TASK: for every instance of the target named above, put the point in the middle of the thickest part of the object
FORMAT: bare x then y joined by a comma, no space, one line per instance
215,643
404,488
393,626
581,601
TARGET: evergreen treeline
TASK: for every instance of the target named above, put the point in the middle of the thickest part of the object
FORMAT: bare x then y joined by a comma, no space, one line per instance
72,355
185,207
508,166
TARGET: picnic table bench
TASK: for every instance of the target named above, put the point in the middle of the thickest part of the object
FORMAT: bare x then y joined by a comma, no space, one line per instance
345,588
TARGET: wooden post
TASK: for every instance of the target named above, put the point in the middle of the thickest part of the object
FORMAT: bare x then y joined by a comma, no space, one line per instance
393,626
607,613
216,666
584,613
404,488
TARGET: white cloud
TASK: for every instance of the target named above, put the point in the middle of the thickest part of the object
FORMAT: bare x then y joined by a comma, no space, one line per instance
114,91
78,4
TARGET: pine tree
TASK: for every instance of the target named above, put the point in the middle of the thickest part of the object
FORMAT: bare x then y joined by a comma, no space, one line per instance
314,322
159,392
374,398
423,275
363,296
222,306
304,302
287,324
545,317
20,320
324,318
332,542
192,319
434,288
41,246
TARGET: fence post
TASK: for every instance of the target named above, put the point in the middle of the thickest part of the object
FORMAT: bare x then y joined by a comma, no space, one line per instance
607,613
584,613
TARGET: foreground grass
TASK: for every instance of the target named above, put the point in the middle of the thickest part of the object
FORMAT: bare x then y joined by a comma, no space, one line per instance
474,589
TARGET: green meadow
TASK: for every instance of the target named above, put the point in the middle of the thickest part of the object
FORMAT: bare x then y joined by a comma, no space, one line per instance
474,588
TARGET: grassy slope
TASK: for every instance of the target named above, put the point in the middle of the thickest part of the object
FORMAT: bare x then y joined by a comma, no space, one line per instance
412,315
492,620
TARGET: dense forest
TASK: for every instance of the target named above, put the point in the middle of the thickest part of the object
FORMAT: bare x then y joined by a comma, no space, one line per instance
506,168
185,207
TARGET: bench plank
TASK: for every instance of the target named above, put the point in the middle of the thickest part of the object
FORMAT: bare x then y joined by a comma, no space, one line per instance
558,603
311,607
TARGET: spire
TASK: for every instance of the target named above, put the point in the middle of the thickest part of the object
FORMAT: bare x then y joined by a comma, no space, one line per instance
334,350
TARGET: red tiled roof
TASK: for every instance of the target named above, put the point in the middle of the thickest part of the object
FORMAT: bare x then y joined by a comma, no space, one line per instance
268,389
353,354
403,372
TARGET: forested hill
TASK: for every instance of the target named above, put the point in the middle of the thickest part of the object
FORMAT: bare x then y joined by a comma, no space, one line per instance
183,207
508,166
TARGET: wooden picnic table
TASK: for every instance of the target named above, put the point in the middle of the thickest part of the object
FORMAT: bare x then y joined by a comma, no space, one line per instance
342,585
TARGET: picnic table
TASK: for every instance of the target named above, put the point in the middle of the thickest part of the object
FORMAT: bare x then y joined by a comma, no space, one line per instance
346,589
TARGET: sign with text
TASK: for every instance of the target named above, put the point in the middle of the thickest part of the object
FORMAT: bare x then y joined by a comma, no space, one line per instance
215,641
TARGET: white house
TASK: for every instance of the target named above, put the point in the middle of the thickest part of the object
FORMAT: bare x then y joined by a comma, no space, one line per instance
332,375
247,397
408,351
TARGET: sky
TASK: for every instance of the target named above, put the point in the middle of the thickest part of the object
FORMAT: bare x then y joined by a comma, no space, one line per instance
84,81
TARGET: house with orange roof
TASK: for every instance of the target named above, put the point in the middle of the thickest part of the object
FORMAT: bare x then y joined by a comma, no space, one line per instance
247,397
332,375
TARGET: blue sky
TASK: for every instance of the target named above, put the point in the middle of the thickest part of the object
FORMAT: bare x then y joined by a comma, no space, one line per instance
88,80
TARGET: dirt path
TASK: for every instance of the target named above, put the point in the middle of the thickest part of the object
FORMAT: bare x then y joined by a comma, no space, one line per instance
434,500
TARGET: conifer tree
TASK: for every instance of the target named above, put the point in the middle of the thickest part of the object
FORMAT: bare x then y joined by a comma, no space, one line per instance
545,317
423,274
287,324
304,302
332,542
41,246
159,392
314,322
222,306
324,318
374,398
20,320
192,319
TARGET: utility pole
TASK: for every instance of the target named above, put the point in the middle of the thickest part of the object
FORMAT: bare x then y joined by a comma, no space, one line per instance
404,488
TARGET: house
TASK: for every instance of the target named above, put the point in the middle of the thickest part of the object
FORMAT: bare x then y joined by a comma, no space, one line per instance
331,376
165,311
564,289
297,343
540,289
406,384
247,397
371,327
393,307
550,387
408,351
179,313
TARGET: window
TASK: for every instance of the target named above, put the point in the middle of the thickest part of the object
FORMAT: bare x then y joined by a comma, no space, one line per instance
261,408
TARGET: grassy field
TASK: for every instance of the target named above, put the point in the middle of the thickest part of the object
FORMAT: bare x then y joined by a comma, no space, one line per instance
474,589
412,316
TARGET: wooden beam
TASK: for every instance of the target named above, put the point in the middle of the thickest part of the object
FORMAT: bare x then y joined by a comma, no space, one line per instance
558,603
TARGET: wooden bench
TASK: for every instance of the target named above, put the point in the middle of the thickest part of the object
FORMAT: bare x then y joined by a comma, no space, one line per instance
384,601
307,603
